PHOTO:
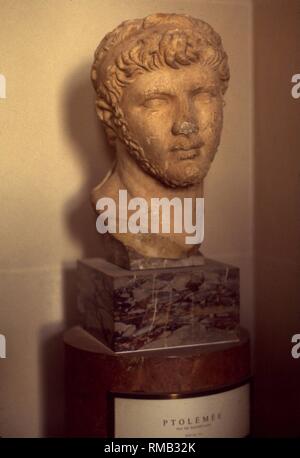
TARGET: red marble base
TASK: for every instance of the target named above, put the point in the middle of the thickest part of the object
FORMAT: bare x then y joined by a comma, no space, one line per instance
93,371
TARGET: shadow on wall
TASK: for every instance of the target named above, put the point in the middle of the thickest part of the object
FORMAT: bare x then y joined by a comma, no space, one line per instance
89,145
87,135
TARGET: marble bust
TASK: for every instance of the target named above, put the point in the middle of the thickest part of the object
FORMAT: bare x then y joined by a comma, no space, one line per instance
160,84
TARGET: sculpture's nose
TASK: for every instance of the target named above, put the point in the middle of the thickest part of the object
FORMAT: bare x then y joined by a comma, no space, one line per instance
185,121
185,128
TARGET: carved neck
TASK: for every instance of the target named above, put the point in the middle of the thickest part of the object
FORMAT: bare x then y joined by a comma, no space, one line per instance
140,184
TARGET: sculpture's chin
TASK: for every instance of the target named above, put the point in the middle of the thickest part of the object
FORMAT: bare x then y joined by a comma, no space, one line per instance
180,177
175,174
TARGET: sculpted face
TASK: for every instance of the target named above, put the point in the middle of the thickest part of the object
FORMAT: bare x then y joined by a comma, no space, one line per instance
175,116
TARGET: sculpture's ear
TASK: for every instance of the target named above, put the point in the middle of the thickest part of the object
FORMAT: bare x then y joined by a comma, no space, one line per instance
104,111
105,114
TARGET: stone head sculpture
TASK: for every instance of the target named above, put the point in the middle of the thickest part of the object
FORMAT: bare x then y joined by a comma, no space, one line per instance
160,83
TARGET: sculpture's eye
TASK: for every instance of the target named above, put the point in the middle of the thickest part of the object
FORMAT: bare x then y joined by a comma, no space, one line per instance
155,102
205,95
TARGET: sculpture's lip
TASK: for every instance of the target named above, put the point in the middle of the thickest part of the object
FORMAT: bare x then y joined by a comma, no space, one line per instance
189,153
187,148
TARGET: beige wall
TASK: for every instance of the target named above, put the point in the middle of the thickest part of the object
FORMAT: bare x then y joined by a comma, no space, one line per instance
277,216
52,152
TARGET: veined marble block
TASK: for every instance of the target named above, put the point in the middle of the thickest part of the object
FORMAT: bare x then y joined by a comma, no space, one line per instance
159,308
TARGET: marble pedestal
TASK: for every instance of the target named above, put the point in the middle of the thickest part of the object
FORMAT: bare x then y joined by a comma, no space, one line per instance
155,308
93,373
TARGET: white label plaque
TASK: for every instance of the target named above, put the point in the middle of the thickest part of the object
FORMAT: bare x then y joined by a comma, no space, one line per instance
225,414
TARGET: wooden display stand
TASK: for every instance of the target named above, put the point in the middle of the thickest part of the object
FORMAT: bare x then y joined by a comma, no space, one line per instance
94,373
